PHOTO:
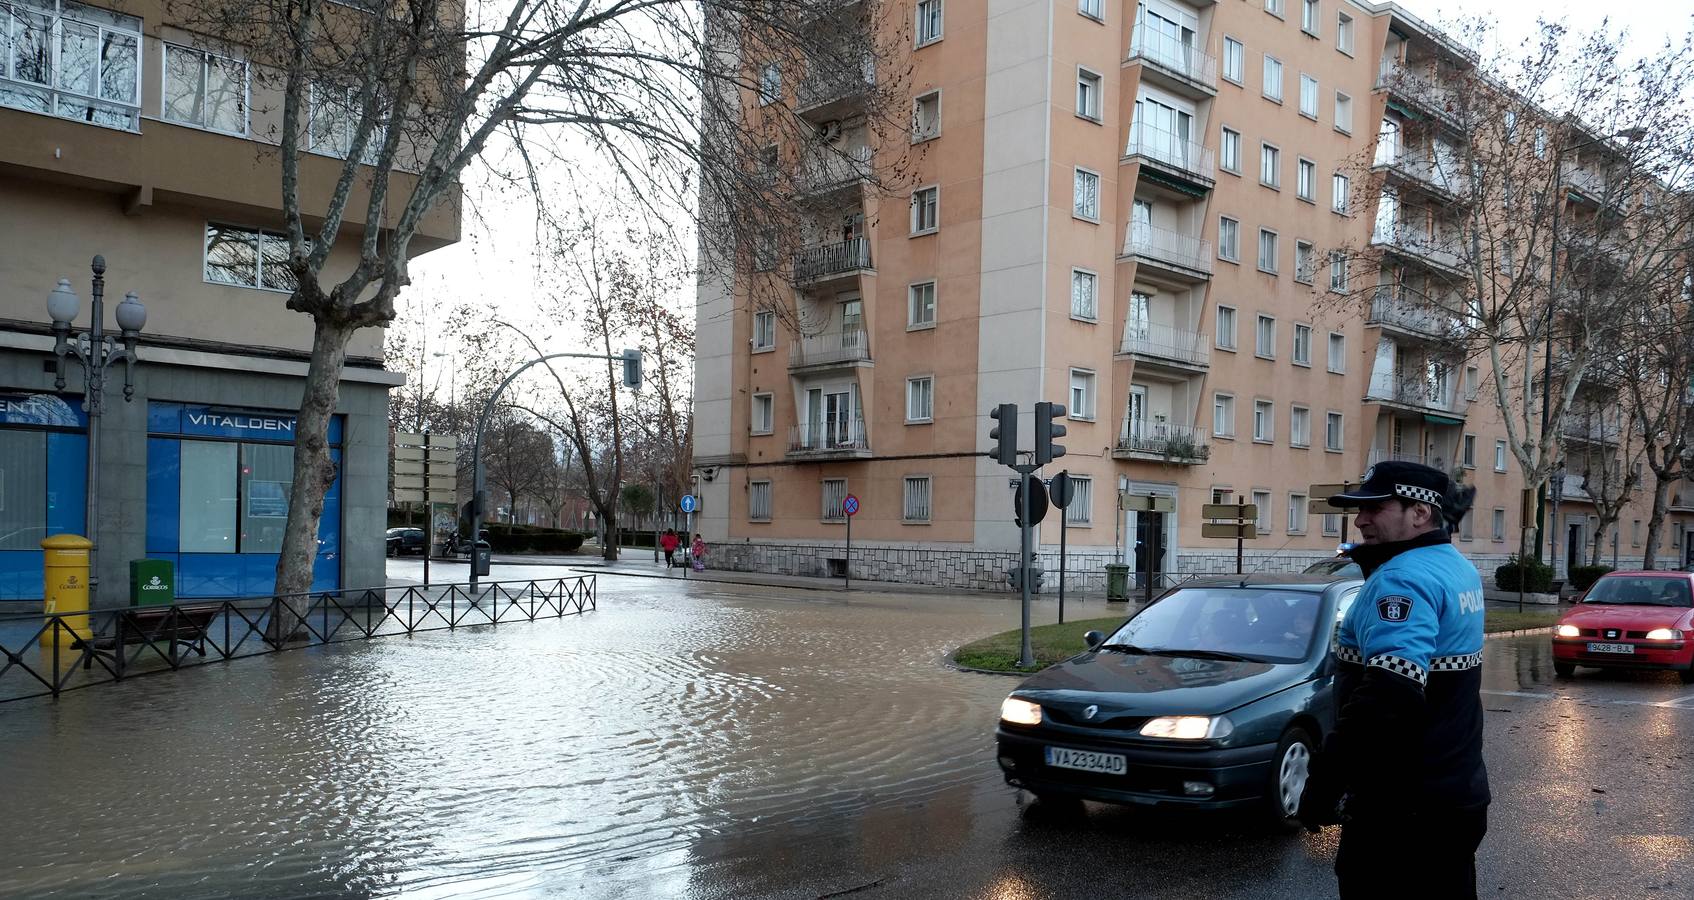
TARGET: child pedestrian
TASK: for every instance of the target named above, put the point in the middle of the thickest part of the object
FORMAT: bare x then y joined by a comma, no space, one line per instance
698,551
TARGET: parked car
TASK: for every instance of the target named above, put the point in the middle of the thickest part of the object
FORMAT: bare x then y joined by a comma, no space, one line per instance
1339,567
402,541
1630,620
1213,696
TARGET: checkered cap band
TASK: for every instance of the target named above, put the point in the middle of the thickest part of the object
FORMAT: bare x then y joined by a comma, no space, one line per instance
1420,494
1349,655
1400,666
1456,663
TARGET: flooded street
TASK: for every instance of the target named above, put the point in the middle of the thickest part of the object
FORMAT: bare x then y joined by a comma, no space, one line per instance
712,740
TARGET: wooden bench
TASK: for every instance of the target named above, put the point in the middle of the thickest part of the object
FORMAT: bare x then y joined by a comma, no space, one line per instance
182,626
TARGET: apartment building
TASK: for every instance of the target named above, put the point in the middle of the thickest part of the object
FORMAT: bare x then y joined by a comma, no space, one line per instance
1135,210
126,136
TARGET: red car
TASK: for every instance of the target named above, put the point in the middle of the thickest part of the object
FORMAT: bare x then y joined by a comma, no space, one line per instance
1630,620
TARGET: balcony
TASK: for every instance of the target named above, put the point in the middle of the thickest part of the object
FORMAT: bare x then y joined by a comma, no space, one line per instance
847,348
826,170
1420,91
1423,396
831,439
1573,488
828,262
1166,344
1422,172
832,95
1584,180
1184,256
1391,310
1183,68
1682,501
1582,428
1172,155
1162,442
1381,456
1415,246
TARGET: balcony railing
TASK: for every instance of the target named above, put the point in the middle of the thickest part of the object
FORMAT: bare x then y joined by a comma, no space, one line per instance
1446,398
1389,307
1167,342
1417,87
1381,456
828,260
1172,55
1583,429
826,169
1167,246
824,88
1175,443
849,345
1423,169
1414,243
1584,179
829,436
1171,150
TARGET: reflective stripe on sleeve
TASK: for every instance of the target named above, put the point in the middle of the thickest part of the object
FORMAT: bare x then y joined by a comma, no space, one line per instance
1456,663
1400,666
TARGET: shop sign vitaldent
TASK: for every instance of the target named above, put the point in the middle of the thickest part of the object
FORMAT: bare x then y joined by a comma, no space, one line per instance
234,423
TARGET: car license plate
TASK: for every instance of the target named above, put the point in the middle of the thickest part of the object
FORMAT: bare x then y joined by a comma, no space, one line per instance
1610,648
1086,761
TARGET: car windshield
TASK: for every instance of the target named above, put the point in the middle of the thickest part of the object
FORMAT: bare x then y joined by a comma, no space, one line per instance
1340,565
1644,590
1259,624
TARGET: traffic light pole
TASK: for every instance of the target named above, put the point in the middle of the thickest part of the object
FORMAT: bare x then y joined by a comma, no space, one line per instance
1026,655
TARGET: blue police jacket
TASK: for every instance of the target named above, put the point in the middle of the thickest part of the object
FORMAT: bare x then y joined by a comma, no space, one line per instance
1408,733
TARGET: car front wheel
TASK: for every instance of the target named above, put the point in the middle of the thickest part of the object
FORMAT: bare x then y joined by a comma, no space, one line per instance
1687,675
1564,669
1290,766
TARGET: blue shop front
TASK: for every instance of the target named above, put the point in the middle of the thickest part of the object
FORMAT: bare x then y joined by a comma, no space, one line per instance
43,460
218,480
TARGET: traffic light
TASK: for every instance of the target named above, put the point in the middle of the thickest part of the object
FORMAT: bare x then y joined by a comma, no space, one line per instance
632,369
1004,433
1046,430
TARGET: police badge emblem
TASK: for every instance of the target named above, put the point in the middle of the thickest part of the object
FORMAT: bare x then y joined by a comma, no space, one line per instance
1394,609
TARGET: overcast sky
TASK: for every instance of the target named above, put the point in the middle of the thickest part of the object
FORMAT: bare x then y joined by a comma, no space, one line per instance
494,261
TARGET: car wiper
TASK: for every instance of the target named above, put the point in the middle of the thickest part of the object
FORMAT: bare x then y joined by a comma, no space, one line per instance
1209,654
1126,648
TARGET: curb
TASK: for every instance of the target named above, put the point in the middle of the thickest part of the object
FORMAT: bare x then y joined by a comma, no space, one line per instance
947,661
1521,631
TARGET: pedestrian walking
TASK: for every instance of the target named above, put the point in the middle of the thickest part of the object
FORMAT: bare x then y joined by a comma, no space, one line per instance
697,554
668,542
1402,772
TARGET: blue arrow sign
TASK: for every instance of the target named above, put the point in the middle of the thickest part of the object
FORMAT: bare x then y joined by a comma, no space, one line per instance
689,504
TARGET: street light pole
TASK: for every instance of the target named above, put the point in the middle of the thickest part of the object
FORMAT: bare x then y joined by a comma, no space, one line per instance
94,350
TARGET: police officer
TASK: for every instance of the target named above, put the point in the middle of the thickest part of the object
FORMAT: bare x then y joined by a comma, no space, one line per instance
1402,772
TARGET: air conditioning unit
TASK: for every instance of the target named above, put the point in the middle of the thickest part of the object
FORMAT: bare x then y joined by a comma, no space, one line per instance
829,131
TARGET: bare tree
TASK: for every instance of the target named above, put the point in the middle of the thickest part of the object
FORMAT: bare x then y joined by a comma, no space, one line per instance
1659,390
1603,445
516,457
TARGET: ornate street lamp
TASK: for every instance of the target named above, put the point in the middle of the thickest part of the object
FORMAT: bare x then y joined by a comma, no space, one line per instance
94,350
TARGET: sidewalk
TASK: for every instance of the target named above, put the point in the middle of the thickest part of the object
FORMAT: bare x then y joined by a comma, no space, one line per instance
638,563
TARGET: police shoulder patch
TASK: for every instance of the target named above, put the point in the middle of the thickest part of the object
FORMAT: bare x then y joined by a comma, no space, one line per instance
1394,609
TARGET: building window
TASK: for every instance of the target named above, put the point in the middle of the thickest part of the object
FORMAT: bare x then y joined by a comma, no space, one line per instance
1231,147
1222,495
1309,17
1302,345
1540,143
920,305
1341,192
1223,415
1264,421
764,413
1270,166
204,90
1509,121
1297,513
1499,524
1306,180
1274,7
1234,60
1300,427
1085,196
926,210
247,257
1635,533
764,330
1468,455
1081,509
1264,337
1466,531
1262,500
1305,262
1499,456
71,61
770,84
929,22
1337,352
1331,525
1273,77
1088,94
1308,96
1084,295
917,498
926,117
1229,239
1344,33
1473,382
1332,431
1082,394
834,498
1267,251
764,250
759,501
920,399
1343,113
1093,9
1338,270
336,111
1226,327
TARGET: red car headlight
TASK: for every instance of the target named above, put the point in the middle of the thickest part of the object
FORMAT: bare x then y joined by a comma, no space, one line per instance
1664,634
1568,631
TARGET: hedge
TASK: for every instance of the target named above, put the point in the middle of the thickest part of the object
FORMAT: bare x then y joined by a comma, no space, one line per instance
503,538
1583,577
1535,576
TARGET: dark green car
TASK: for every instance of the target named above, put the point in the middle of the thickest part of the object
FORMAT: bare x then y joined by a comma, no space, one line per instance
1215,695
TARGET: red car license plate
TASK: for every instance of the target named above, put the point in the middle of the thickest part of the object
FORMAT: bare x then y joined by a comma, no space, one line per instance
1594,647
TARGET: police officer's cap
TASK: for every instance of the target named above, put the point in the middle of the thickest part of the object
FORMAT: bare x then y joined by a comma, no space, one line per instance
1406,480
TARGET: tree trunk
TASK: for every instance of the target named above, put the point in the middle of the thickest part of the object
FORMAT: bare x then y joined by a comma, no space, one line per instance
314,473
1661,494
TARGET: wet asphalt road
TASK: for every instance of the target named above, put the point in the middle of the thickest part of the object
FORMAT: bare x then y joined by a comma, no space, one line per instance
715,741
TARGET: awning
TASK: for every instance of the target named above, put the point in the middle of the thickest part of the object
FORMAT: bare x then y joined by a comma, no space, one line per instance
1442,420
1405,110
1175,184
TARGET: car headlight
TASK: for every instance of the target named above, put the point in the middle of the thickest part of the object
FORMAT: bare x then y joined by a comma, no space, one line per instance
1664,634
1569,631
1187,728
1020,712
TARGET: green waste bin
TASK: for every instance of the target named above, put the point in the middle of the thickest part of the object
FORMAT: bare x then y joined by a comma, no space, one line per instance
1117,582
152,582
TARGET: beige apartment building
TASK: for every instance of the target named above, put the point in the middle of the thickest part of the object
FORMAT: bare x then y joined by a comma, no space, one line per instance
1126,209
126,136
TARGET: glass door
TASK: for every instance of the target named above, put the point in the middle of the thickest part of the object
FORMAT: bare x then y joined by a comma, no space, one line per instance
852,323
1135,420
1140,315
814,430
838,419
1141,224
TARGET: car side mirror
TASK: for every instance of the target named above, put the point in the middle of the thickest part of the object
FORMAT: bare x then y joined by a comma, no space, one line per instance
1094,639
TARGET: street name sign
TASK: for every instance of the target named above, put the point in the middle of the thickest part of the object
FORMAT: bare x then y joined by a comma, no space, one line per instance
1246,530
1230,511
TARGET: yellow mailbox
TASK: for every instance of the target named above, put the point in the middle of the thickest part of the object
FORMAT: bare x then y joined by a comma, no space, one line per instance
65,566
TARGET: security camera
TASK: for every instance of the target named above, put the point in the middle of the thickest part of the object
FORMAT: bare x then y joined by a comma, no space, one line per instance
708,474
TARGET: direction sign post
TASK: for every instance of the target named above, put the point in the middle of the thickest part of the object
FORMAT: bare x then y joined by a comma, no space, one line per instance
689,503
1240,524
419,457
850,506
